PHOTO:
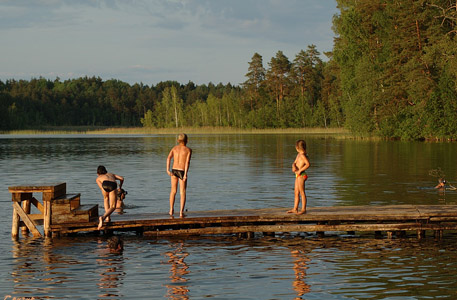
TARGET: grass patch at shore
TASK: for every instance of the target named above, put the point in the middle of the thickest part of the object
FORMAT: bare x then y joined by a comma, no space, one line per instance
188,130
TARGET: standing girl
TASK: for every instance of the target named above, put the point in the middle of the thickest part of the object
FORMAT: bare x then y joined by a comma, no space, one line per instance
300,165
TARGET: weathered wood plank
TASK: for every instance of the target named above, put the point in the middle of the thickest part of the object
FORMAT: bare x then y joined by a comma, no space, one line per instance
391,218
67,198
286,228
18,197
37,204
24,217
15,224
26,209
283,228
37,219
47,217
39,187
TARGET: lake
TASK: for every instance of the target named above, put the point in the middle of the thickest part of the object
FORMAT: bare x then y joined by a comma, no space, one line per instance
231,172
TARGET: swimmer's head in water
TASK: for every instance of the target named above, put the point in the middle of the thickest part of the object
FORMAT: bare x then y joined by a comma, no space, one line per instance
115,244
122,194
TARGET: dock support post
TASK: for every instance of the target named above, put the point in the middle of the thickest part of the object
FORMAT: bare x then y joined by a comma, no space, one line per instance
389,234
420,234
47,214
15,225
438,234
18,198
25,218
26,209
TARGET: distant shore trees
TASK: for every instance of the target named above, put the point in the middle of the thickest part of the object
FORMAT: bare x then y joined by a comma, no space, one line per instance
287,94
392,73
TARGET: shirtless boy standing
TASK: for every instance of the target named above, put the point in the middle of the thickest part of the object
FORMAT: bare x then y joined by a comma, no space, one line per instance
181,155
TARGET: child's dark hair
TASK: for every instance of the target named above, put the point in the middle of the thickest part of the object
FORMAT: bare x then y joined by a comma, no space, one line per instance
122,192
301,145
101,170
115,243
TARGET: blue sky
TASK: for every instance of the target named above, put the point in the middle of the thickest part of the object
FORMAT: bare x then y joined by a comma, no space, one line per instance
150,41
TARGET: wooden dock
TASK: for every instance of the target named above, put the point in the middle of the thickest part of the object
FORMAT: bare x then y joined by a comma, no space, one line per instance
61,214
392,219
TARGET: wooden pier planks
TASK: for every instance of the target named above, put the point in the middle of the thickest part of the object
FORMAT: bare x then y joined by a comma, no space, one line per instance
338,218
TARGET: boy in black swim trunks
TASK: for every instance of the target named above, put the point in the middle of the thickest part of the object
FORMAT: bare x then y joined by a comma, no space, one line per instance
108,185
181,155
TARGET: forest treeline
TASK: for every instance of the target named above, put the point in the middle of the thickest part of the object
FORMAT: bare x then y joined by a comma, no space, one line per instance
392,73
287,94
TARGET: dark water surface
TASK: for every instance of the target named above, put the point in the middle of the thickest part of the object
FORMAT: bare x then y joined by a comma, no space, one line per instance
231,172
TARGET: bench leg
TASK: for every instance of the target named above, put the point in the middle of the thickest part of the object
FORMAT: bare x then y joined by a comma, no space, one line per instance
15,225
47,219
26,208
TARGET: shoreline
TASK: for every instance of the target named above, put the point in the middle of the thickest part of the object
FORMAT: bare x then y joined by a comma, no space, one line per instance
189,130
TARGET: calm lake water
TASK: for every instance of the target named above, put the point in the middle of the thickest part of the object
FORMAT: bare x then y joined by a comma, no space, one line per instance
231,172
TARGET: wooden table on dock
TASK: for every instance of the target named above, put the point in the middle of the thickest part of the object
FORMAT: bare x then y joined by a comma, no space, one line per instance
23,194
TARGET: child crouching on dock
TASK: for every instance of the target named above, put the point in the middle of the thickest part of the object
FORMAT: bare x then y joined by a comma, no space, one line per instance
299,166
108,185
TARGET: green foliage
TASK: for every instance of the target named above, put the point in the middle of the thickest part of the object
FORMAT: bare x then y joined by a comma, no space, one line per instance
394,59
148,120
284,95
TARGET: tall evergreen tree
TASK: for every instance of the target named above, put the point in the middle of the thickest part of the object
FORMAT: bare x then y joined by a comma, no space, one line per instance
256,77
278,79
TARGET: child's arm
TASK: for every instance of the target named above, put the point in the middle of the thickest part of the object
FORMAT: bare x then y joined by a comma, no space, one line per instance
186,168
170,156
305,165
121,180
294,167
294,164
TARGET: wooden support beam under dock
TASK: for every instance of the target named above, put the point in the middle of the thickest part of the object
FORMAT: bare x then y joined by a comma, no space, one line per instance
392,219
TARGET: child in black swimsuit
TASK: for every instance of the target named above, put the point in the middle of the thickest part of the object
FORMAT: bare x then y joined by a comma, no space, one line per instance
108,185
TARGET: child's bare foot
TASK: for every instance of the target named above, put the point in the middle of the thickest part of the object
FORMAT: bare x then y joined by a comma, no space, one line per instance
100,223
171,212
182,215
301,212
292,211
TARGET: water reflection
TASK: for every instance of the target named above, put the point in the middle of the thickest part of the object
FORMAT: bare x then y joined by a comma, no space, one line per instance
111,269
300,267
36,262
178,288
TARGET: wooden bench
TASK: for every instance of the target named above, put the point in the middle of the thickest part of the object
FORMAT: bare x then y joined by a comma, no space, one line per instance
56,207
